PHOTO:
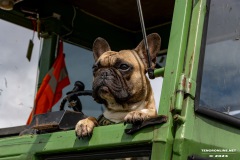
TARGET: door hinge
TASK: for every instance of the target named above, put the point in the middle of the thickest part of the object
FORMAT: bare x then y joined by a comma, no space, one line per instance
186,87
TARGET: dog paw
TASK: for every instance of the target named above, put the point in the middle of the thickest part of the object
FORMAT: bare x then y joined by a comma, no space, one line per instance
135,117
85,127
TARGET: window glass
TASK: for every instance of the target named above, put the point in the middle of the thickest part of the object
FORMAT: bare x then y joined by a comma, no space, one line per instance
17,74
220,88
79,64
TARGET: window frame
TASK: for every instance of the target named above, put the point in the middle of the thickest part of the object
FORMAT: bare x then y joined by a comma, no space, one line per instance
204,110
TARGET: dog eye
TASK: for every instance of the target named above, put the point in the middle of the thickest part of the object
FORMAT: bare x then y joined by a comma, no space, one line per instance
124,67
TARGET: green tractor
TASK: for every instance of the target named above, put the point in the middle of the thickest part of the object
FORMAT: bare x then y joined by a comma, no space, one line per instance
196,79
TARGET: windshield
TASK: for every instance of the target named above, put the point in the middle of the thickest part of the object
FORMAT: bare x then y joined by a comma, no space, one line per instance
79,62
17,74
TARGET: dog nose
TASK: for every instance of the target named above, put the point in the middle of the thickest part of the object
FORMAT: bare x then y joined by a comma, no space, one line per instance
104,75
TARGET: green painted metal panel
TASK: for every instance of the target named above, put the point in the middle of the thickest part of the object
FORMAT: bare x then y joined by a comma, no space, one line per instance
197,132
163,138
184,131
65,141
48,53
200,133
176,51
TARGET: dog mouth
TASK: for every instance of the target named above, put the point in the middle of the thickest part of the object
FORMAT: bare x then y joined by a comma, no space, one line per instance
108,85
103,90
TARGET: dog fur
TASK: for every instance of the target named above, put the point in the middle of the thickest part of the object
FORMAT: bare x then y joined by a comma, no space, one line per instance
121,84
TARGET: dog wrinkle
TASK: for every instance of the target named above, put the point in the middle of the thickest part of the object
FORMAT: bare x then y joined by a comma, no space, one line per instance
107,58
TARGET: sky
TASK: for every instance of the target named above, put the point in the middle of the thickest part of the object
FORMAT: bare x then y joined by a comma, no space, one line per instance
18,76
220,88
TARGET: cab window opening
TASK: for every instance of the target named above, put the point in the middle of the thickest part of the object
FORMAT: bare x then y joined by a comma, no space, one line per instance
18,74
219,83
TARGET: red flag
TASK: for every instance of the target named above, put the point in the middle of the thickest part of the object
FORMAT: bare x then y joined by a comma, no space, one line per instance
50,90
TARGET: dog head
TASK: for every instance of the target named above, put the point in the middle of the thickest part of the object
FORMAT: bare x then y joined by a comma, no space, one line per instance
119,77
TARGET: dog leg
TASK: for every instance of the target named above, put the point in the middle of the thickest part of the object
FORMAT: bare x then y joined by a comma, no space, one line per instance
85,127
139,116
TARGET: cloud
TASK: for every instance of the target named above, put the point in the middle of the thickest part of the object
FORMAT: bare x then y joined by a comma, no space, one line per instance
18,76
221,78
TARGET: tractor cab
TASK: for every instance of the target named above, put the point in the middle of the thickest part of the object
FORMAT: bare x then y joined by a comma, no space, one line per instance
195,84
77,25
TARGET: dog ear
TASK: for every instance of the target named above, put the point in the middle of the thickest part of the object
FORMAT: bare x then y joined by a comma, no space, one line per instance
100,46
154,43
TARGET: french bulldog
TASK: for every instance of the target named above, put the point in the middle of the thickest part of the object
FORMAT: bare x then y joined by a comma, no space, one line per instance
121,84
